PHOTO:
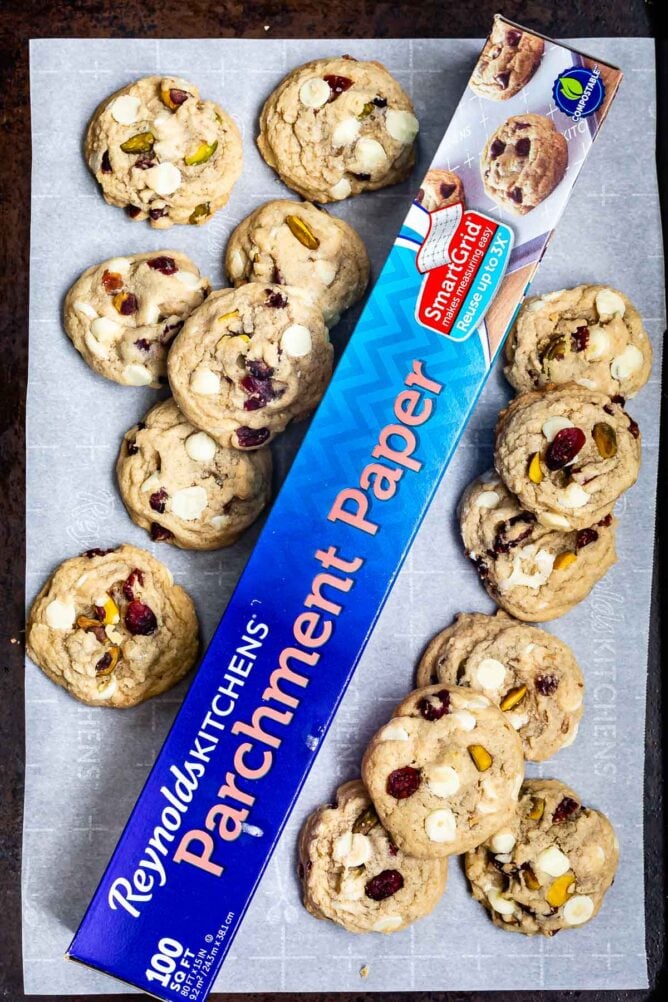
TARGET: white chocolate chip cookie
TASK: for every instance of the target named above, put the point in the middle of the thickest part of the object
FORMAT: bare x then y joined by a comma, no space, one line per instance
337,127
568,452
450,648
295,243
444,773
353,874
249,361
181,486
123,314
162,153
534,567
591,335
112,628
550,867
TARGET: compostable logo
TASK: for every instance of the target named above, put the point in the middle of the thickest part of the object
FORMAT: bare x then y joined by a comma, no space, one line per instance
579,92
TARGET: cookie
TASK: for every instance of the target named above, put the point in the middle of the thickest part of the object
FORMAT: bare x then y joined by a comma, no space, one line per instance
533,677
337,127
523,162
249,361
453,645
112,628
353,874
507,63
123,314
181,486
295,243
591,335
440,188
445,772
569,452
162,153
550,867
534,567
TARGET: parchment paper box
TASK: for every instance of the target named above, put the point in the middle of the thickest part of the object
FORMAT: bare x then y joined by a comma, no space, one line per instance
222,788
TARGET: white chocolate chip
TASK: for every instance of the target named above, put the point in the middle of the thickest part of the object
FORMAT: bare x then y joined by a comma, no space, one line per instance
487,499
628,362
341,189
554,425
388,923
500,904
106,688
393,732
345,132
490,674
464,719
352,849
205,382
112,634
487,807
189,279
125,109
189,503
574,496
60,614
137,375
200,447
163,179
516,720
352,887
504,857
543,562
477,702
401,125
552,520
296,340
94,346
151,483
314,92
443,780
237,264
369,155
219,521
589,384
441,825
503,841
325,270
578,909
85,309
598,344
553,861
608,303
119,265
598,854
105,330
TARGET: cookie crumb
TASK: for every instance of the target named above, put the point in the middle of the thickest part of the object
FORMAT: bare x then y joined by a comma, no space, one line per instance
364,971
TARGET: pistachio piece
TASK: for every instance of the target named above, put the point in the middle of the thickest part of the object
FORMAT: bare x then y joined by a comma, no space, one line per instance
203,153
537,809
87,623
564,560
606,439
108,661
125,303
560,890
535,471
173,97
367,820
513,697
531,881
199,213
141,143
110,609
367,110
227,316
556,349
302,231
482,760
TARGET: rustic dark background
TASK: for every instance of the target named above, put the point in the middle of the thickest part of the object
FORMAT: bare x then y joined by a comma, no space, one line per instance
20,21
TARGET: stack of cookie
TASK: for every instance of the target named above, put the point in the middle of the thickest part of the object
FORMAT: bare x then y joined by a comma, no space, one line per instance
445,776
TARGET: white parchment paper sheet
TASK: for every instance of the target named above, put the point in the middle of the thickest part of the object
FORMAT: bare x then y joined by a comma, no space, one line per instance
85,767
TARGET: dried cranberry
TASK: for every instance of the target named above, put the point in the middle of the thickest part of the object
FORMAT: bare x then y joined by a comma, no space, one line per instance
248,438
362,176
516,195
391,848
403,783
513,38
547,684
112,281
105,166
178,97
275,299
158,213
128,304
140,619
606,521
159,534
633,427
564,447
132,211
260,392
497,148
618,399
380,102
128,585
337,84
434,711
99,612
165,265
103,663
96,552
522,146
564,810
446,190
384,885
144,163
158,500
502,80
580,338
419,198
259,368
502,542
585,537
143,344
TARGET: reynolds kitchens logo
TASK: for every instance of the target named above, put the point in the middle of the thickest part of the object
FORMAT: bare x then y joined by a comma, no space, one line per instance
579,92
